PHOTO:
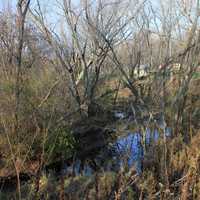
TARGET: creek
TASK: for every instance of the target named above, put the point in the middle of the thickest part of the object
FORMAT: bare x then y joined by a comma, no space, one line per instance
128,150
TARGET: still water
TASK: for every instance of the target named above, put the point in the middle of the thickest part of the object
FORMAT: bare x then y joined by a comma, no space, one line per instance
127,151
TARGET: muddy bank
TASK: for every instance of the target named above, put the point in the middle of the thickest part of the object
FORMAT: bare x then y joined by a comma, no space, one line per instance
99,146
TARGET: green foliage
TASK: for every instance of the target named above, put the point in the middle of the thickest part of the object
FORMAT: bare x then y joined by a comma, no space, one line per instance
60,142
196,75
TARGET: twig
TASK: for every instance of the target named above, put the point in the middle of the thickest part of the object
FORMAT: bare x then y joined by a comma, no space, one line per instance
49,93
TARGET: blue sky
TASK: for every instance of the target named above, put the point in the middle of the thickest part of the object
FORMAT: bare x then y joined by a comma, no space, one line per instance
50,7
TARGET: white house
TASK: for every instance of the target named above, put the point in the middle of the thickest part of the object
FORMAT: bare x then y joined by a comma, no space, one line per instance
141,70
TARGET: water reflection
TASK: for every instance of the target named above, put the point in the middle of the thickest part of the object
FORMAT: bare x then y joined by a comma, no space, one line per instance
131,148
130,151
127,151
